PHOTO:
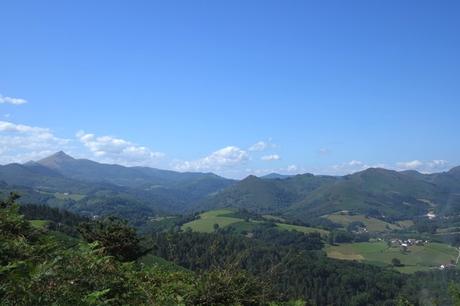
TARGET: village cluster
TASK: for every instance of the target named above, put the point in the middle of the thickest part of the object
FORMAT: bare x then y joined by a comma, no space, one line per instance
404,244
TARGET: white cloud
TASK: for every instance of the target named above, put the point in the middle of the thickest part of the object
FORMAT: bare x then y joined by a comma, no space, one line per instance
271,157
427,166
262,146
6,126
355,163
20,142
116,150
288,170
351,167
9,100
437,163
218,160
258,146
409,165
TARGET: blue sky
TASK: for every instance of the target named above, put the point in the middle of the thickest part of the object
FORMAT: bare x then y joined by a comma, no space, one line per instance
233,87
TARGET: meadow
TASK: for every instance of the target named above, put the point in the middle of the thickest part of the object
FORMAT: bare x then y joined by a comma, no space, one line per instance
224,218
416,258
372,224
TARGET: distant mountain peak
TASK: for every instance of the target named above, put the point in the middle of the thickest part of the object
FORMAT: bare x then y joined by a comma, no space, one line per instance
61,155
275,175
250,177
55,160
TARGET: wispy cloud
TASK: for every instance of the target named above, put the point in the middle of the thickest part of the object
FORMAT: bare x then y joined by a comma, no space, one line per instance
271,157
288,170
230,156
10,100
423,166
324,152
116,150
410,165
262,145
351,166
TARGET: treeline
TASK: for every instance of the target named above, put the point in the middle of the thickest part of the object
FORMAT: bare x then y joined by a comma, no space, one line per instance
292,273
270,234
303,273
59,219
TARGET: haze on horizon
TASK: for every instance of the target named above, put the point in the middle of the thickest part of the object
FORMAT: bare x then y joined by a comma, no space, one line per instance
233,88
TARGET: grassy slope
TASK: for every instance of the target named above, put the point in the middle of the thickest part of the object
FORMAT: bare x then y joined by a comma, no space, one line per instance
209,218
418,258
372,224
39,224
72,196
303,229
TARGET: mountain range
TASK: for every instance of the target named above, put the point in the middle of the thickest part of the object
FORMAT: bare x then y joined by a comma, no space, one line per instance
94,188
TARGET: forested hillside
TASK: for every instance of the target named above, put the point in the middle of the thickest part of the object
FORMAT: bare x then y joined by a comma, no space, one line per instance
376,192
106,262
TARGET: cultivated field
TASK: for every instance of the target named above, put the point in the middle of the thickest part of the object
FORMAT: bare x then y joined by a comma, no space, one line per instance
372,224
223,218
417,258
303,229
208,219
39,224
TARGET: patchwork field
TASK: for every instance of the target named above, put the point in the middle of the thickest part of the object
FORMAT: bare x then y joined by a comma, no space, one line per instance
69,196
303,229
417,258
208,219
224,218
64,195
39,224
372,224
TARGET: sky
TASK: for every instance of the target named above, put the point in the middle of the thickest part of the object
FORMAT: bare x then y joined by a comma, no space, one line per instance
233,87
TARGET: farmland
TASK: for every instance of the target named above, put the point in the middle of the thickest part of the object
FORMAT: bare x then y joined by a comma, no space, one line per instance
224,218
372,224
39,224
207,220
416,258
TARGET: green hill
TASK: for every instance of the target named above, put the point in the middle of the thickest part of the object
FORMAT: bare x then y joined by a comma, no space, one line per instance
267,195
375,192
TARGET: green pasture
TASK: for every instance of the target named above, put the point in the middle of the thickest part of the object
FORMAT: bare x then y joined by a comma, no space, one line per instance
416,258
